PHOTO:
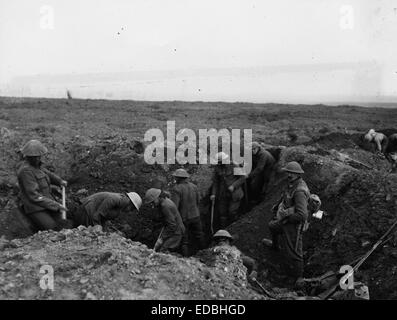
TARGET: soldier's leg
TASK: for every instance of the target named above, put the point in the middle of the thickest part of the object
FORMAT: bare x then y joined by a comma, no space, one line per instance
44,220
172,244
197,234
185,245
292,246
267,176
222,214
384,144
249,263
276,230
233,210
255,187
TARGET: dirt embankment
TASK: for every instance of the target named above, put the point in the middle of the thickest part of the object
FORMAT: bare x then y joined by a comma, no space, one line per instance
360,205
90,264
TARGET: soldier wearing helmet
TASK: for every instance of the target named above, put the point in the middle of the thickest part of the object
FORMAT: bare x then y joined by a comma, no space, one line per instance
173,230
224,238
290,215
262,168
226,191
379,140
100,207
34,181
186,197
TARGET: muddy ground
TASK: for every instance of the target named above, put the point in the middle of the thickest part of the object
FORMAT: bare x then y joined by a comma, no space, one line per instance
98,145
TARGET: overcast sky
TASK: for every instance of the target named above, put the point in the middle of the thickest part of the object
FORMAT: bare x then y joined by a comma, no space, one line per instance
62,37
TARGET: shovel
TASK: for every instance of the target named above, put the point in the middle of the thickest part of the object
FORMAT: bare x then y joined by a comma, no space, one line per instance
212,216
63,212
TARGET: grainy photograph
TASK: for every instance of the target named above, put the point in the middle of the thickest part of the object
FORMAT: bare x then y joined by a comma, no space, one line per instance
213,151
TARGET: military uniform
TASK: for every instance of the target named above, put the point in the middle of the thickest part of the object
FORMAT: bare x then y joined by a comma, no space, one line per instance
35,194
381,142
186,197
100,207
173,227
258,179
287,225
227,203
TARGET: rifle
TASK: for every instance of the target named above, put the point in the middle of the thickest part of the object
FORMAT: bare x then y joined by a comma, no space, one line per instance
266,292
212,216
382,240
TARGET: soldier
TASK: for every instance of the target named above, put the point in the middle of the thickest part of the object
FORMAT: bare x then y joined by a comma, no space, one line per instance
38,203
379,140
391,151
223,238
262,168
173,229
226,191
291,213
100,207
186,197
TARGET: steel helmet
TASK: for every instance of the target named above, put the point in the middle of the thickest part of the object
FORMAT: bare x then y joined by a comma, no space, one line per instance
34,148
222,234
135,199
315,198
181,173
221,156
293,167
254,144
151,195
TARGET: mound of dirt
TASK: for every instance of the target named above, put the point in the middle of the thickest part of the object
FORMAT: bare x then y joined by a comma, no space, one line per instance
360,206
90,264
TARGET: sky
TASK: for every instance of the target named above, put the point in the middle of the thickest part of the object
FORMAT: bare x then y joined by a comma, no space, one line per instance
232,50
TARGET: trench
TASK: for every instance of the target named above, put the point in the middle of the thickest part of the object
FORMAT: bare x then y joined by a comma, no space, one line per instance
118,165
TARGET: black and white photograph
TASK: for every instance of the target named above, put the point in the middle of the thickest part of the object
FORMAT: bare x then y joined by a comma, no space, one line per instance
201,158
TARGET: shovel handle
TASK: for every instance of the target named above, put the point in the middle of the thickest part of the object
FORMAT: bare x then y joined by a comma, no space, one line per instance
212,216
63,202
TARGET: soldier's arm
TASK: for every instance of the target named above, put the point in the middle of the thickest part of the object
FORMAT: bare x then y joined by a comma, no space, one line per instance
300,213
238,182
54,179
378,145
170,224
259,167
31,187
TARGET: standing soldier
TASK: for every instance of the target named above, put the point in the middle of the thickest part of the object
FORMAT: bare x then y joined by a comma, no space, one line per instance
262,168
100,207
186,197
291,213
173,229
35,188
226,191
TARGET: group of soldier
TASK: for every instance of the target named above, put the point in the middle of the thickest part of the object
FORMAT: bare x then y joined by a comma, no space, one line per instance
182,227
